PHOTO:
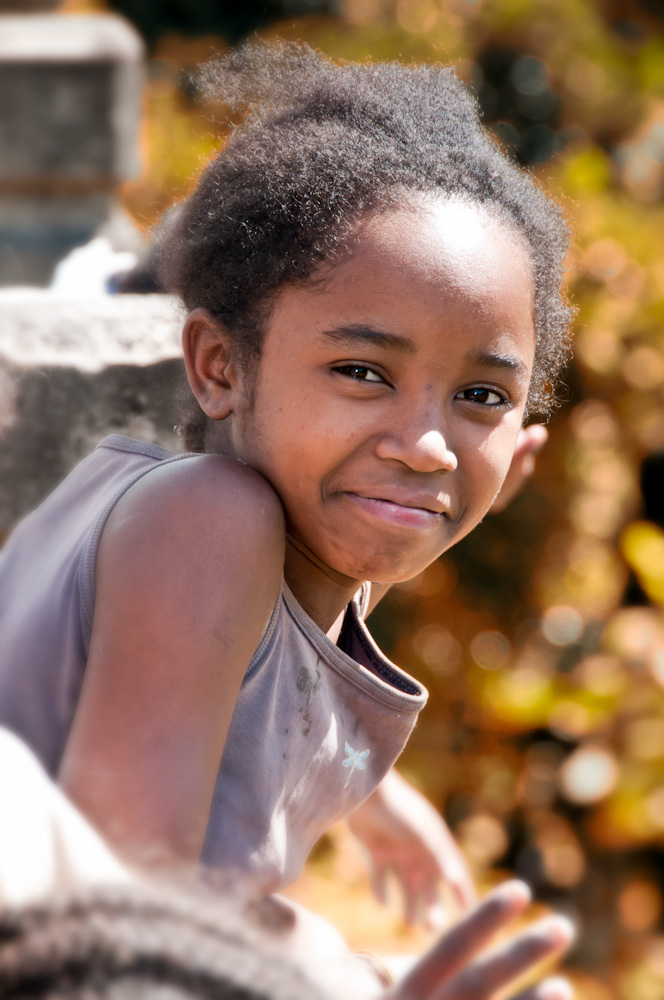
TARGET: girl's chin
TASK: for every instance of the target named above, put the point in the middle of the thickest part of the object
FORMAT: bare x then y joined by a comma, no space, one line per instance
379,571
351,564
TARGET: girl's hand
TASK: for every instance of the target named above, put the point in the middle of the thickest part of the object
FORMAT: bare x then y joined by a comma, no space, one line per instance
455,969
530,442
404,834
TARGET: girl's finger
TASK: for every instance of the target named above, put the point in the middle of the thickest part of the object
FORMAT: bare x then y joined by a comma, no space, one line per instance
454,869
500,967
460,945
460,880
378,876
436,916
411,902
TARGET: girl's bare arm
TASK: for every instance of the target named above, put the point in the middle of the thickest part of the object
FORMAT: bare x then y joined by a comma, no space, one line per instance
188,571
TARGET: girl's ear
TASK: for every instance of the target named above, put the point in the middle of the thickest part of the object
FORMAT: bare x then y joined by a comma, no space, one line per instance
210,360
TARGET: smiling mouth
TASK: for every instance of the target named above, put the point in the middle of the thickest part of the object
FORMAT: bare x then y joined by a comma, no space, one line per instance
398,513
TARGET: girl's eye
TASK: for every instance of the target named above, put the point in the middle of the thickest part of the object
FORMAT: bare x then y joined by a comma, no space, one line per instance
483,395
360,373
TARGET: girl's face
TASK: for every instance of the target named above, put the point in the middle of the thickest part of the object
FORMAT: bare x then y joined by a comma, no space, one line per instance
390,394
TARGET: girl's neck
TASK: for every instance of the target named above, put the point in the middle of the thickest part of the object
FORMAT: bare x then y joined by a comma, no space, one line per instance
323,596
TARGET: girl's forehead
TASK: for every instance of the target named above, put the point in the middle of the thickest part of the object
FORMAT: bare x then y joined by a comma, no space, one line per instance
449,244
436,274
457,227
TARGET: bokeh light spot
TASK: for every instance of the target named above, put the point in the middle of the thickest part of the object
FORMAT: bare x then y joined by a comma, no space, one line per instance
490,650
562,625
639,905
570,720
643,368
417,16
605,259
588,775
644,739
438,648
594,424
483,839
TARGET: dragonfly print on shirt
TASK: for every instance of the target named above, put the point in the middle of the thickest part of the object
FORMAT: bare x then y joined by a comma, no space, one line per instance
355,760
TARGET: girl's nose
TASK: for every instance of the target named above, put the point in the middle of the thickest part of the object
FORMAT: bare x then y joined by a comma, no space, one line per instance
421,451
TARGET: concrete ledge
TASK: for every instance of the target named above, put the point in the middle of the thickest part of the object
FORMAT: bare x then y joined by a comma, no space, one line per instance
73,371
38,327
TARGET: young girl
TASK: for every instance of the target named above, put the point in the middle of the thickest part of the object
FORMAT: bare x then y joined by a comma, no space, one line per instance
374,296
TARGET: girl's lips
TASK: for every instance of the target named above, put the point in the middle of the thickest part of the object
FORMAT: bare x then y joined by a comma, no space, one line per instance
396,513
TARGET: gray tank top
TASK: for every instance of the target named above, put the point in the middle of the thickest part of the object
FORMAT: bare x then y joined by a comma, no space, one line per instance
316,725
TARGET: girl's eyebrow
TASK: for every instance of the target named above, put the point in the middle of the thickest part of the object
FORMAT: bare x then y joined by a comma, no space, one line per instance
360,333
489,359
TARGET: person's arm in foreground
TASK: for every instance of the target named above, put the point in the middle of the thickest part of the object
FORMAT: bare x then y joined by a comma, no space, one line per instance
47,847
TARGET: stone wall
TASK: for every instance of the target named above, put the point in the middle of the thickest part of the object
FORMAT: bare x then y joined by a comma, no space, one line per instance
72,371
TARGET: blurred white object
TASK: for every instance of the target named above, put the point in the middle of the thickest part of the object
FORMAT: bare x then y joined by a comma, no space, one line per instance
87,269
45,844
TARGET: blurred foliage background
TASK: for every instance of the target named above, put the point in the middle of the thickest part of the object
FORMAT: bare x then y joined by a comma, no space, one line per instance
541,636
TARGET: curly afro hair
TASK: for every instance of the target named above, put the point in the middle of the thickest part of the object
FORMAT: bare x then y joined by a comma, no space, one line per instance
320,145
142,943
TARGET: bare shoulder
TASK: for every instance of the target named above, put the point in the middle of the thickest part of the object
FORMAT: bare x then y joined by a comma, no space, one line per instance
204,502
199,544
206,486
